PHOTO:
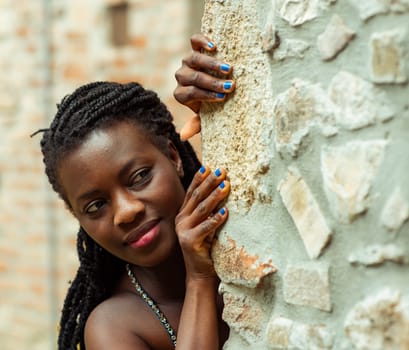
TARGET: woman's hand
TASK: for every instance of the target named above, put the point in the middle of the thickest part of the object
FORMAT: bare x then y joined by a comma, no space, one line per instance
197,83
199,218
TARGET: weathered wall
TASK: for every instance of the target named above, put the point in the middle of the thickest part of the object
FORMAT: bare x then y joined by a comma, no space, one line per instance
315,140
48,48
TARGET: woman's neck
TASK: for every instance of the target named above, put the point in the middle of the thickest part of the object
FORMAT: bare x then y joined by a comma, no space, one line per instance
166,281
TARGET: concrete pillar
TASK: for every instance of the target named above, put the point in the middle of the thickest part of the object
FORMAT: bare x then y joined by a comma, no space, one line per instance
315,253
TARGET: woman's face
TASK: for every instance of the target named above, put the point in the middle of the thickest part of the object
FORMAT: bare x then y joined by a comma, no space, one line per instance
125,192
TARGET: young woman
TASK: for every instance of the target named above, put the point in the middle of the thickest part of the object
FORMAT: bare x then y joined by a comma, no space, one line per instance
148,213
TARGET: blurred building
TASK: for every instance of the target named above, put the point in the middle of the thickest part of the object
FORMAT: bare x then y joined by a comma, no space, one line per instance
47,49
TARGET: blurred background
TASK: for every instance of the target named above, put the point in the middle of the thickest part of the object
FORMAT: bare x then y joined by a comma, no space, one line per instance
47,49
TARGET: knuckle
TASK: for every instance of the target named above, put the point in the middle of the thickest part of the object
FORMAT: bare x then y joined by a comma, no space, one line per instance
187,59
208,226
196,193
195,37
190,93
178,74
195,59
195,77
202,208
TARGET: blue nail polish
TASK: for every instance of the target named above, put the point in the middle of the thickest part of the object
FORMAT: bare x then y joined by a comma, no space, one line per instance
210,45
222,211
227,85
218,172
202,169
225,67
222,185
220,95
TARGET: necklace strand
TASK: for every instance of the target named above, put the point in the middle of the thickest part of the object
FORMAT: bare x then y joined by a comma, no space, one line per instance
152,305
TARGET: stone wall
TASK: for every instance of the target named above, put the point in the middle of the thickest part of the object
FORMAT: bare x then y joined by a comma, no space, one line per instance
315,253
47,49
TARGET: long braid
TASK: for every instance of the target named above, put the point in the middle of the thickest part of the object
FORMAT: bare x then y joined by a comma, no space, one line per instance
88,108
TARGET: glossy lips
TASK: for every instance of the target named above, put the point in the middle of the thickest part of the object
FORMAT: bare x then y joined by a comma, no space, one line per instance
144,235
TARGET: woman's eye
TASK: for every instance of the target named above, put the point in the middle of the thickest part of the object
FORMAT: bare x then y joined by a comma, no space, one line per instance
93,207
141,177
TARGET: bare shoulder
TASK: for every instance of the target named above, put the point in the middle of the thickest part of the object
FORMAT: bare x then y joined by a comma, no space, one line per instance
121,322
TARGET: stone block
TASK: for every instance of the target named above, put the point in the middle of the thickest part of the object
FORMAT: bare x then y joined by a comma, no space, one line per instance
303,106
290,48
334,39
308,285
379,322
359,102
348,172
370,8
388,56
305,212
297,12
244,315
395,212
283,333
235,265
377,254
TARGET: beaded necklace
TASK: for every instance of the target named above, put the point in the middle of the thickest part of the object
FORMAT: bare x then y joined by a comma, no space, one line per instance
152,305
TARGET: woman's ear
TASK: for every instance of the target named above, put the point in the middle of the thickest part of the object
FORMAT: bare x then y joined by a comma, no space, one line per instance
175,159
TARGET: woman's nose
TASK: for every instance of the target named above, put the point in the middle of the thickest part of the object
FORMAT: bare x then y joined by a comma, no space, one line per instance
127,208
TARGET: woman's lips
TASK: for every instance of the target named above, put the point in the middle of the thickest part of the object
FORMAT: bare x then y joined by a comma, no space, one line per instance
144,235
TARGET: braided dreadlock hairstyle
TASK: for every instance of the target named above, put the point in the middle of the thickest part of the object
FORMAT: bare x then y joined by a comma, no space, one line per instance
88,108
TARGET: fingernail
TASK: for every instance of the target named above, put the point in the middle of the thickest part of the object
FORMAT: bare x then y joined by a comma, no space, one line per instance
202,169
227,85
222,211
218,172
210,45
222,185
220,95
225,67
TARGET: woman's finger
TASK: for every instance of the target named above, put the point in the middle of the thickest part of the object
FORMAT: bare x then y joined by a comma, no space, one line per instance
190,128
187,76
221,217
207,206
203,183
204,232
200,41
201,61
192,96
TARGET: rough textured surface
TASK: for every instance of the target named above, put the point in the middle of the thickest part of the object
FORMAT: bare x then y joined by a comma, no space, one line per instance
235,265
380,322
319,89
224,146
244,315
283,333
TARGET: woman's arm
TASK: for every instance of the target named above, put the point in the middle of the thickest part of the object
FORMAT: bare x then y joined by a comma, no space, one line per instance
196,225
196,84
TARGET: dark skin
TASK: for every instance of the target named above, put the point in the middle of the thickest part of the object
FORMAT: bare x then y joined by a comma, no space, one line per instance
196,85
120,185
126,193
